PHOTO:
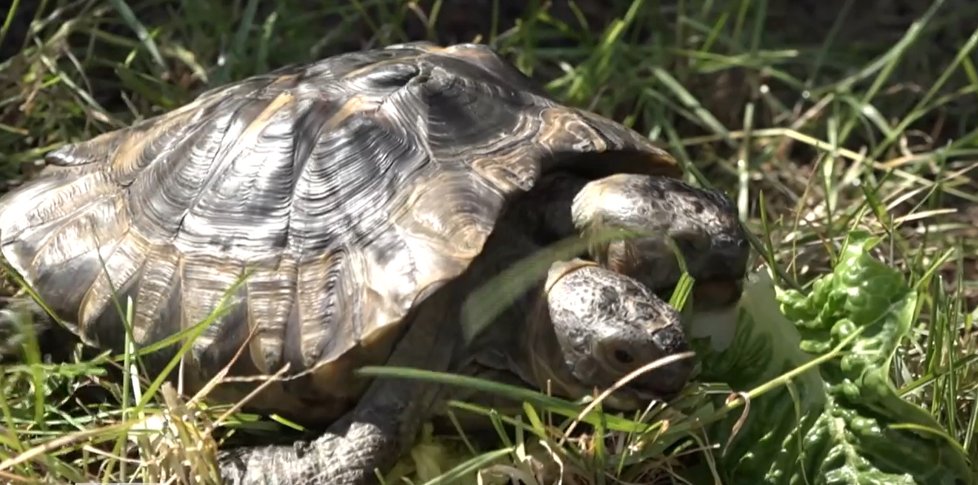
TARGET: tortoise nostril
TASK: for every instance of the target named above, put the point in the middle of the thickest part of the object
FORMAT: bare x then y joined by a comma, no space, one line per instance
670,340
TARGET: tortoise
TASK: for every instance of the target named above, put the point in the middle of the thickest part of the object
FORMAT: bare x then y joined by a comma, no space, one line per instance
344,211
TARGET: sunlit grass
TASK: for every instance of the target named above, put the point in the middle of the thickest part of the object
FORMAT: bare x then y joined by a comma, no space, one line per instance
816,126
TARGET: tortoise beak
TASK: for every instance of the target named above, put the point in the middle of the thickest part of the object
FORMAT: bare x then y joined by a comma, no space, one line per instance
632,397
719,282
717,294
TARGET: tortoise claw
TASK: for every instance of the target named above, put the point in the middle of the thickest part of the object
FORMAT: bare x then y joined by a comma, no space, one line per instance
330,459
272,465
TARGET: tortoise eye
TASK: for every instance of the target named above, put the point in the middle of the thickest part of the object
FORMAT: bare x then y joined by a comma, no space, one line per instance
689,242
617,356
623,357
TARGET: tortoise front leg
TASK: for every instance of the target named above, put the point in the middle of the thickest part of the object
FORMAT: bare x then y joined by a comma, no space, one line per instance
348,457
375,434
368,440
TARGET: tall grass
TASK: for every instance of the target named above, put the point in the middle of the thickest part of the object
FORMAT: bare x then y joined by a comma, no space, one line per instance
817,118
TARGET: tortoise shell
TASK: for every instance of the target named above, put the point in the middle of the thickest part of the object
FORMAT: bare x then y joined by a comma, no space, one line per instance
346,189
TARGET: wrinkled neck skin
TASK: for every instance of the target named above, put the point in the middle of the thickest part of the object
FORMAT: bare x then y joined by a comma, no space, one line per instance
521,340
539,360
547,216
523,343
521,336
502,336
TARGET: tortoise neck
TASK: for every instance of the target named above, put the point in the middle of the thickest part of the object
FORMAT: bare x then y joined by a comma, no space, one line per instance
507,324
545,211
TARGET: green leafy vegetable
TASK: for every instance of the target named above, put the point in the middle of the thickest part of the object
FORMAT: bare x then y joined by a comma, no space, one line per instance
839,422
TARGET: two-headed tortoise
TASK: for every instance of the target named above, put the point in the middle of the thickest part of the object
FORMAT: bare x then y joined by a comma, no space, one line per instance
356,202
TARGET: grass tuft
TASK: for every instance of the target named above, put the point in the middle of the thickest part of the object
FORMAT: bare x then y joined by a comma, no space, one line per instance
820,119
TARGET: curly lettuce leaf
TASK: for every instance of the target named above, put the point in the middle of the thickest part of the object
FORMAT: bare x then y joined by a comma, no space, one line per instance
841,421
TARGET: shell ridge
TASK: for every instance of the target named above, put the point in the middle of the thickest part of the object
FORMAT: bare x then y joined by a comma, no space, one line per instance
48,199
247,208
101,297
205,106
302,152
55,231
153,292
270,299
219,164
158,188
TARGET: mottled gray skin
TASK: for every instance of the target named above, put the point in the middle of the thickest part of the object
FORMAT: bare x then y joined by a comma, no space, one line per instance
607,325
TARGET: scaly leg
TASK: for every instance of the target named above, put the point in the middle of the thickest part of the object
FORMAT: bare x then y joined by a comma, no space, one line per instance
346,457
375,434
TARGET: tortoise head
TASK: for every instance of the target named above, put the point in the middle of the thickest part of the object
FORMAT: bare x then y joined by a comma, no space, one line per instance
703,224
608,325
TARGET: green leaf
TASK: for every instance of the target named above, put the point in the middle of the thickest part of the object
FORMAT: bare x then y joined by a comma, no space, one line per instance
841,422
